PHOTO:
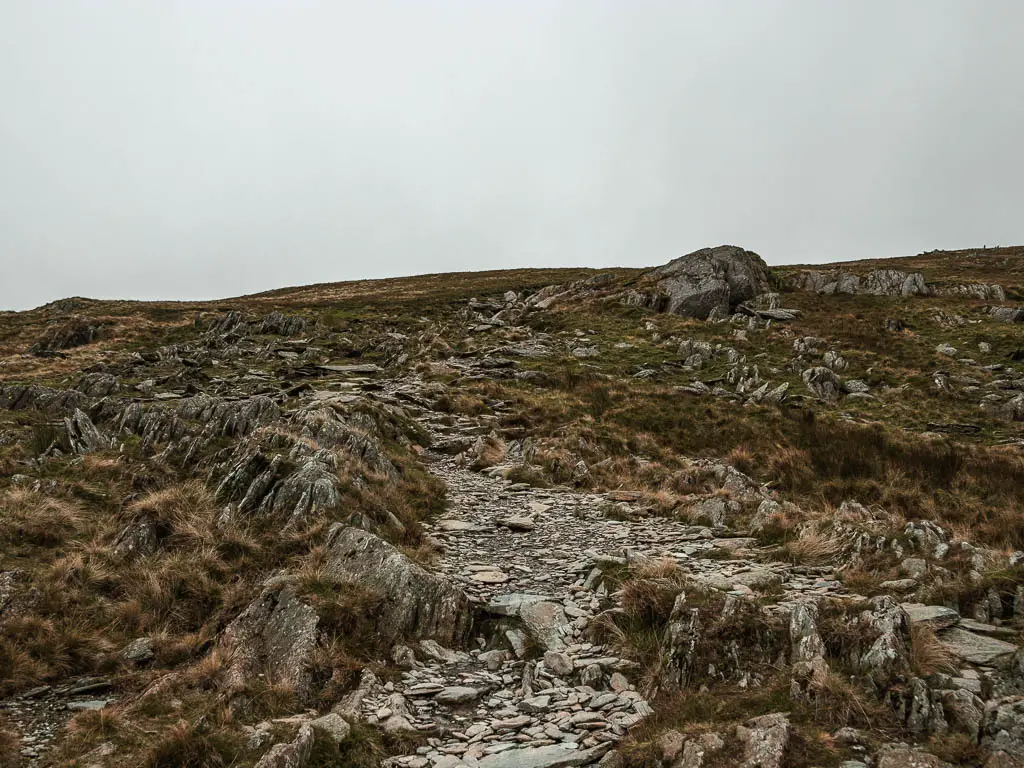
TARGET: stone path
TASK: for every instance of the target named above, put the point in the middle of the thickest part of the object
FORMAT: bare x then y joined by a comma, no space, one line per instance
535,692
41,712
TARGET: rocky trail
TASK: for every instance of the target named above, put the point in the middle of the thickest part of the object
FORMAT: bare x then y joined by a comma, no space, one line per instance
539,564
41,712
533,624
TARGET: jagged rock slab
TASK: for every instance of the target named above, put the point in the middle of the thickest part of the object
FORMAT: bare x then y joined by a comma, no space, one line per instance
977,649
416,603
275,636
544,621
936,616
765,740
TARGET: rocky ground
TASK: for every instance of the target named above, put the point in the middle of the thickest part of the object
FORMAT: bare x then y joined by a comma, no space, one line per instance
704,515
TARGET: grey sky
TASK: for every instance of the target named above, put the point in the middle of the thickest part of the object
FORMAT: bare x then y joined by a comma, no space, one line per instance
197,149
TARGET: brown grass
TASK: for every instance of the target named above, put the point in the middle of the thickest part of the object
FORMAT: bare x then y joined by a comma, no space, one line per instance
649,592
493,451
927,654
812,548
32,518
97,724
182,512
184,745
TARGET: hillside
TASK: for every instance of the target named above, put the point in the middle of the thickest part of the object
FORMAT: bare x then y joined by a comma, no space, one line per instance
710,514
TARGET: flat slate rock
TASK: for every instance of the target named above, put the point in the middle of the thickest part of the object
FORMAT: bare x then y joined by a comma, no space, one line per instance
986,629
755,578
490,577
553,756
357,368
977,649
454,526
457,694
511,604
517,522
936,616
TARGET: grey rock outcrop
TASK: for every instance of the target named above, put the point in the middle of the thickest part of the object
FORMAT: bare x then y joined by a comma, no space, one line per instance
415,604
282,324
1003,728
292,754
708,282
764,740
982,291
886,659
1007,314
310,488
892,282
807,650
73,332
98,384
83,435
19,397
823,382
229,418
274,636
877,282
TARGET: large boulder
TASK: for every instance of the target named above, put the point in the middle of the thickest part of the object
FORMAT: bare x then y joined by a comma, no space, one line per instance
711,281
415,603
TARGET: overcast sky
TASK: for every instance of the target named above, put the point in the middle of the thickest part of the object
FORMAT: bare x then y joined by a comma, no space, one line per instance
199,149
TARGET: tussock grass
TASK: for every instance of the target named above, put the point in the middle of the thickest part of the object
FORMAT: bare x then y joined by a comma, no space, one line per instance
18,669
837,701
812,548
927,654
182,512
185,745
492,452
648,594
36,519
98,724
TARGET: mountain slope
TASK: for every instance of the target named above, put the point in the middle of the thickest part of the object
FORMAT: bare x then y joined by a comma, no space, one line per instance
479,518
